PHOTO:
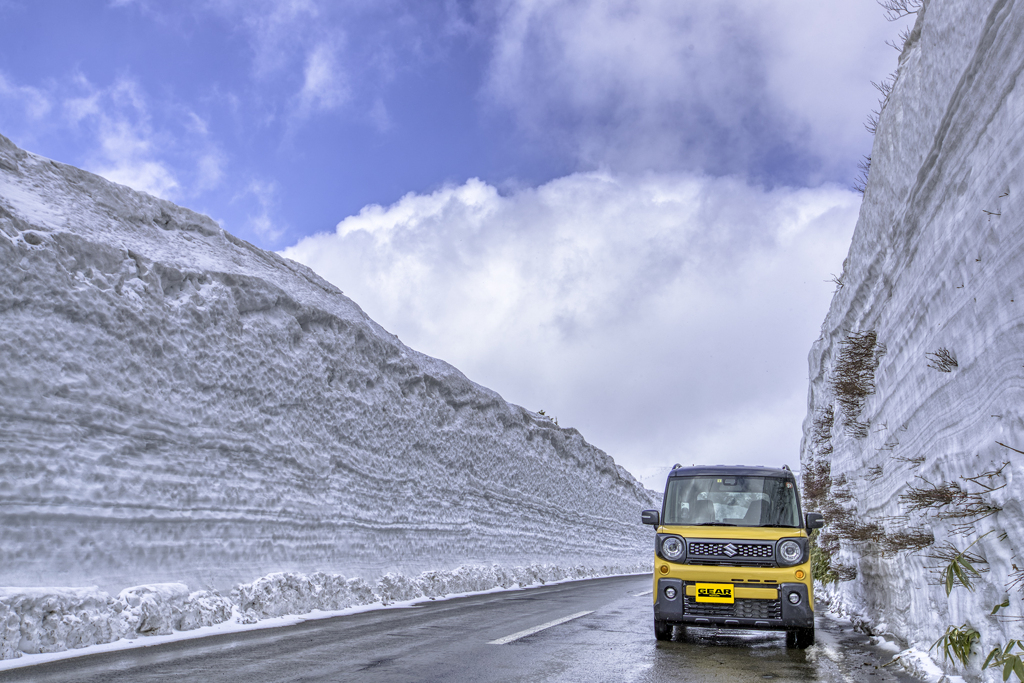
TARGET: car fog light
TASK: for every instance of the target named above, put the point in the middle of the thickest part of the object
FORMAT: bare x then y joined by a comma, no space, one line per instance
670,593
794,598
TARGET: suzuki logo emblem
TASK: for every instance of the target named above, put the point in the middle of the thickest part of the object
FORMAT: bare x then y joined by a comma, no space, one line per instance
730,550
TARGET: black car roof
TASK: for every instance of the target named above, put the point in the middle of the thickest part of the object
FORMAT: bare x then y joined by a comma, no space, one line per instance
731,471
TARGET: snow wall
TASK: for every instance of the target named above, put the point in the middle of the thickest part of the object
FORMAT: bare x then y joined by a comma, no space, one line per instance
918,376
180,406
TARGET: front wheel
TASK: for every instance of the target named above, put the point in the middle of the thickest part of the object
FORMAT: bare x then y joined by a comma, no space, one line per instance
800,638
662,629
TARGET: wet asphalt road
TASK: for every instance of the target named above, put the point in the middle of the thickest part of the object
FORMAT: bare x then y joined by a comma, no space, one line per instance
450,640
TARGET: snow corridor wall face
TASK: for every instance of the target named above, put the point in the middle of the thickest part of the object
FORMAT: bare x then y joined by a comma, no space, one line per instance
936,263
179,405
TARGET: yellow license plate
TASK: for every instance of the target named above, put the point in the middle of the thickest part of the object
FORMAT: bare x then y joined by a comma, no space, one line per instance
715,592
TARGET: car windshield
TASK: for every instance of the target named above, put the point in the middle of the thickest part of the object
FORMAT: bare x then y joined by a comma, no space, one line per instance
731,501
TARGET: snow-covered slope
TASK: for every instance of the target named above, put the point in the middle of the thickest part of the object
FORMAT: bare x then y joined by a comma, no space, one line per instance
919,374
178,405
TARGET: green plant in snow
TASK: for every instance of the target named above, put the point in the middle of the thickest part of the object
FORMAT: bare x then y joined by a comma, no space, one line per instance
959,570
957,642
1004,603
960,567
1006,658
821,563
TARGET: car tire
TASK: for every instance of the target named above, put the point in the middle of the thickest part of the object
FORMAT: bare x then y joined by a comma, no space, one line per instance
800,638
662,629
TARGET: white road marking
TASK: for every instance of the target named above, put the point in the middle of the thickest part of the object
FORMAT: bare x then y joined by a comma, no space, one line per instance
537,629
640,595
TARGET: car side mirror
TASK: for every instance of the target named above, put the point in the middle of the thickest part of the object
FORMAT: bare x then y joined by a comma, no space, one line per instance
815,520
651,517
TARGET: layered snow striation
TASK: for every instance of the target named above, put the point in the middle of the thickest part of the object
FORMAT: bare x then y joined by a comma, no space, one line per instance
179,405
918,378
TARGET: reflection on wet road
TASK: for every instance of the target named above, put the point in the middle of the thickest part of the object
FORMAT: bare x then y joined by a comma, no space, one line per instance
711,655
617,644
591,631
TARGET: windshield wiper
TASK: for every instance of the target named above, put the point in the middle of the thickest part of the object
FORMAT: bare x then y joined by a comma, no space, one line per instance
715,524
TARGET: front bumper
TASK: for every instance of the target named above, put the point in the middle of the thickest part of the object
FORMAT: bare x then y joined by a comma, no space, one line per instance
768,613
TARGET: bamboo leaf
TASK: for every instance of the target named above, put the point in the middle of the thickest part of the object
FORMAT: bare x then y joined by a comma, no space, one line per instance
962,576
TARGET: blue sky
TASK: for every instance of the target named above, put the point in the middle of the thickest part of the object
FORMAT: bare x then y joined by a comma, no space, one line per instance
552,195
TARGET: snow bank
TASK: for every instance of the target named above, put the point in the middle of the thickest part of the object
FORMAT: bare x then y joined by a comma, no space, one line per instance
179,405
38,620
41,620
292,593
918,664
282,593
918,377
159,609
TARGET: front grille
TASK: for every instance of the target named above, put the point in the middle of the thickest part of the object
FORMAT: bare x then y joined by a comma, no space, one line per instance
743,608
731,550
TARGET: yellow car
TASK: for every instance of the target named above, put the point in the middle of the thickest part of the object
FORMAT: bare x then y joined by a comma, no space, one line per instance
732,552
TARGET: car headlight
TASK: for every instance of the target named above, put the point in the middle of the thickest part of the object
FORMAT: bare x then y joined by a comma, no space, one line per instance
790,552
672,548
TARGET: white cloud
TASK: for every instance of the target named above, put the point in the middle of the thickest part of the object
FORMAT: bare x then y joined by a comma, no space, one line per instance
118,131
659,314
314,57
323,87
209,158
262,222
277,28
728,86
298,47
210,170
35,103
127,152
379,116
147,176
